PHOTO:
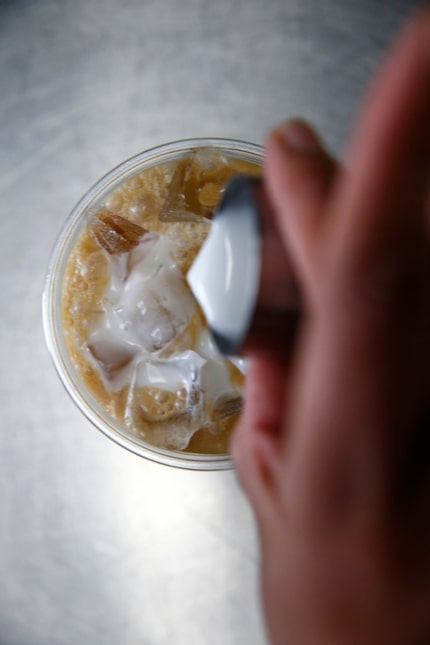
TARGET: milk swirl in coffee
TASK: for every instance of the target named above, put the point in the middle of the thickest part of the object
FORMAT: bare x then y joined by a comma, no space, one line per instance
133,329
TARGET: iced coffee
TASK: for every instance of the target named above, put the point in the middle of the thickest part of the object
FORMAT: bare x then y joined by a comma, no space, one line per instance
135,336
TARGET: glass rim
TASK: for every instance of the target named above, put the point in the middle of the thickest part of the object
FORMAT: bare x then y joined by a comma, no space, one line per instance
51,311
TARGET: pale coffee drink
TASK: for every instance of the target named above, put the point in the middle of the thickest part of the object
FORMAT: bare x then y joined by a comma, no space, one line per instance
135,336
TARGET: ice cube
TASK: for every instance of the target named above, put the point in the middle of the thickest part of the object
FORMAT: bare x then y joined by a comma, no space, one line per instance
177,206
114,233
111,354
223,395
165,401
155,310
226,405
139,252
147,302
167,373
193,191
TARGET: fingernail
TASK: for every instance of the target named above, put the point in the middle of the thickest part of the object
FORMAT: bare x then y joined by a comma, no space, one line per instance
297,136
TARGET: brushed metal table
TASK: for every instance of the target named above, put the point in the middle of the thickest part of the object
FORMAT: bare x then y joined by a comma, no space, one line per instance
98,546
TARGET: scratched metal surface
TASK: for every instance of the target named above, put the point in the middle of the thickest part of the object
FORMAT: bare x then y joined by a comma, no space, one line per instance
96,545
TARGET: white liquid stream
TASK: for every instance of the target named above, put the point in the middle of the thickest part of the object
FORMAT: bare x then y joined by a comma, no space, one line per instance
224,276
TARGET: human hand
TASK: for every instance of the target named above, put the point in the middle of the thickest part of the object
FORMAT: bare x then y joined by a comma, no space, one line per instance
333,448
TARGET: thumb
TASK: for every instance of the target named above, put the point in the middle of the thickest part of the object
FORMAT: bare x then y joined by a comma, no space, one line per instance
299,176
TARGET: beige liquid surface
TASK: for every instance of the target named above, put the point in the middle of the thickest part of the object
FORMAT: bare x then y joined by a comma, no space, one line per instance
133,330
